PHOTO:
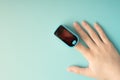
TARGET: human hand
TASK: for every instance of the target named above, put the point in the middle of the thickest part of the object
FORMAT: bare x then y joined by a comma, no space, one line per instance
103,58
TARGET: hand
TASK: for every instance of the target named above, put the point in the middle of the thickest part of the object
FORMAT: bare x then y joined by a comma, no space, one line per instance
103,58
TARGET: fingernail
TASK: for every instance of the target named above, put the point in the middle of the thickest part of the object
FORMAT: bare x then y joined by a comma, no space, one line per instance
75,23
84,23
69,70
95,24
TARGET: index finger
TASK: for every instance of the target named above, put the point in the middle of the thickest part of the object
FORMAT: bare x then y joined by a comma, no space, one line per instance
84,50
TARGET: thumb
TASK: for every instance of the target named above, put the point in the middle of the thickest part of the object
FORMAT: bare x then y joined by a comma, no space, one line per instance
82,71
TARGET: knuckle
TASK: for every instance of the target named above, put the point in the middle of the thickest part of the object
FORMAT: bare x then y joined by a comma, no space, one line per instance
84,37
94,35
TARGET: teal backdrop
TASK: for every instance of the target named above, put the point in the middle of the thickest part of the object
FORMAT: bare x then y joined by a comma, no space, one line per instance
28,48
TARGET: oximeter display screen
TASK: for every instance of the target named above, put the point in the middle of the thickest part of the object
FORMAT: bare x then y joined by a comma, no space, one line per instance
66,36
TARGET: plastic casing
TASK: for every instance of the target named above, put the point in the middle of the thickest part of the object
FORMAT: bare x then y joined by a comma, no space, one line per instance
71,33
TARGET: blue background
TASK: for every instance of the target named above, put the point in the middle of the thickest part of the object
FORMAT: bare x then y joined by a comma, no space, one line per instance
28,48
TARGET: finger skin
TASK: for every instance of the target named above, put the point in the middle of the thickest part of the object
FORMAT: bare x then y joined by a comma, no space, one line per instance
91,32
79,70
101,33
83,50
83,35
